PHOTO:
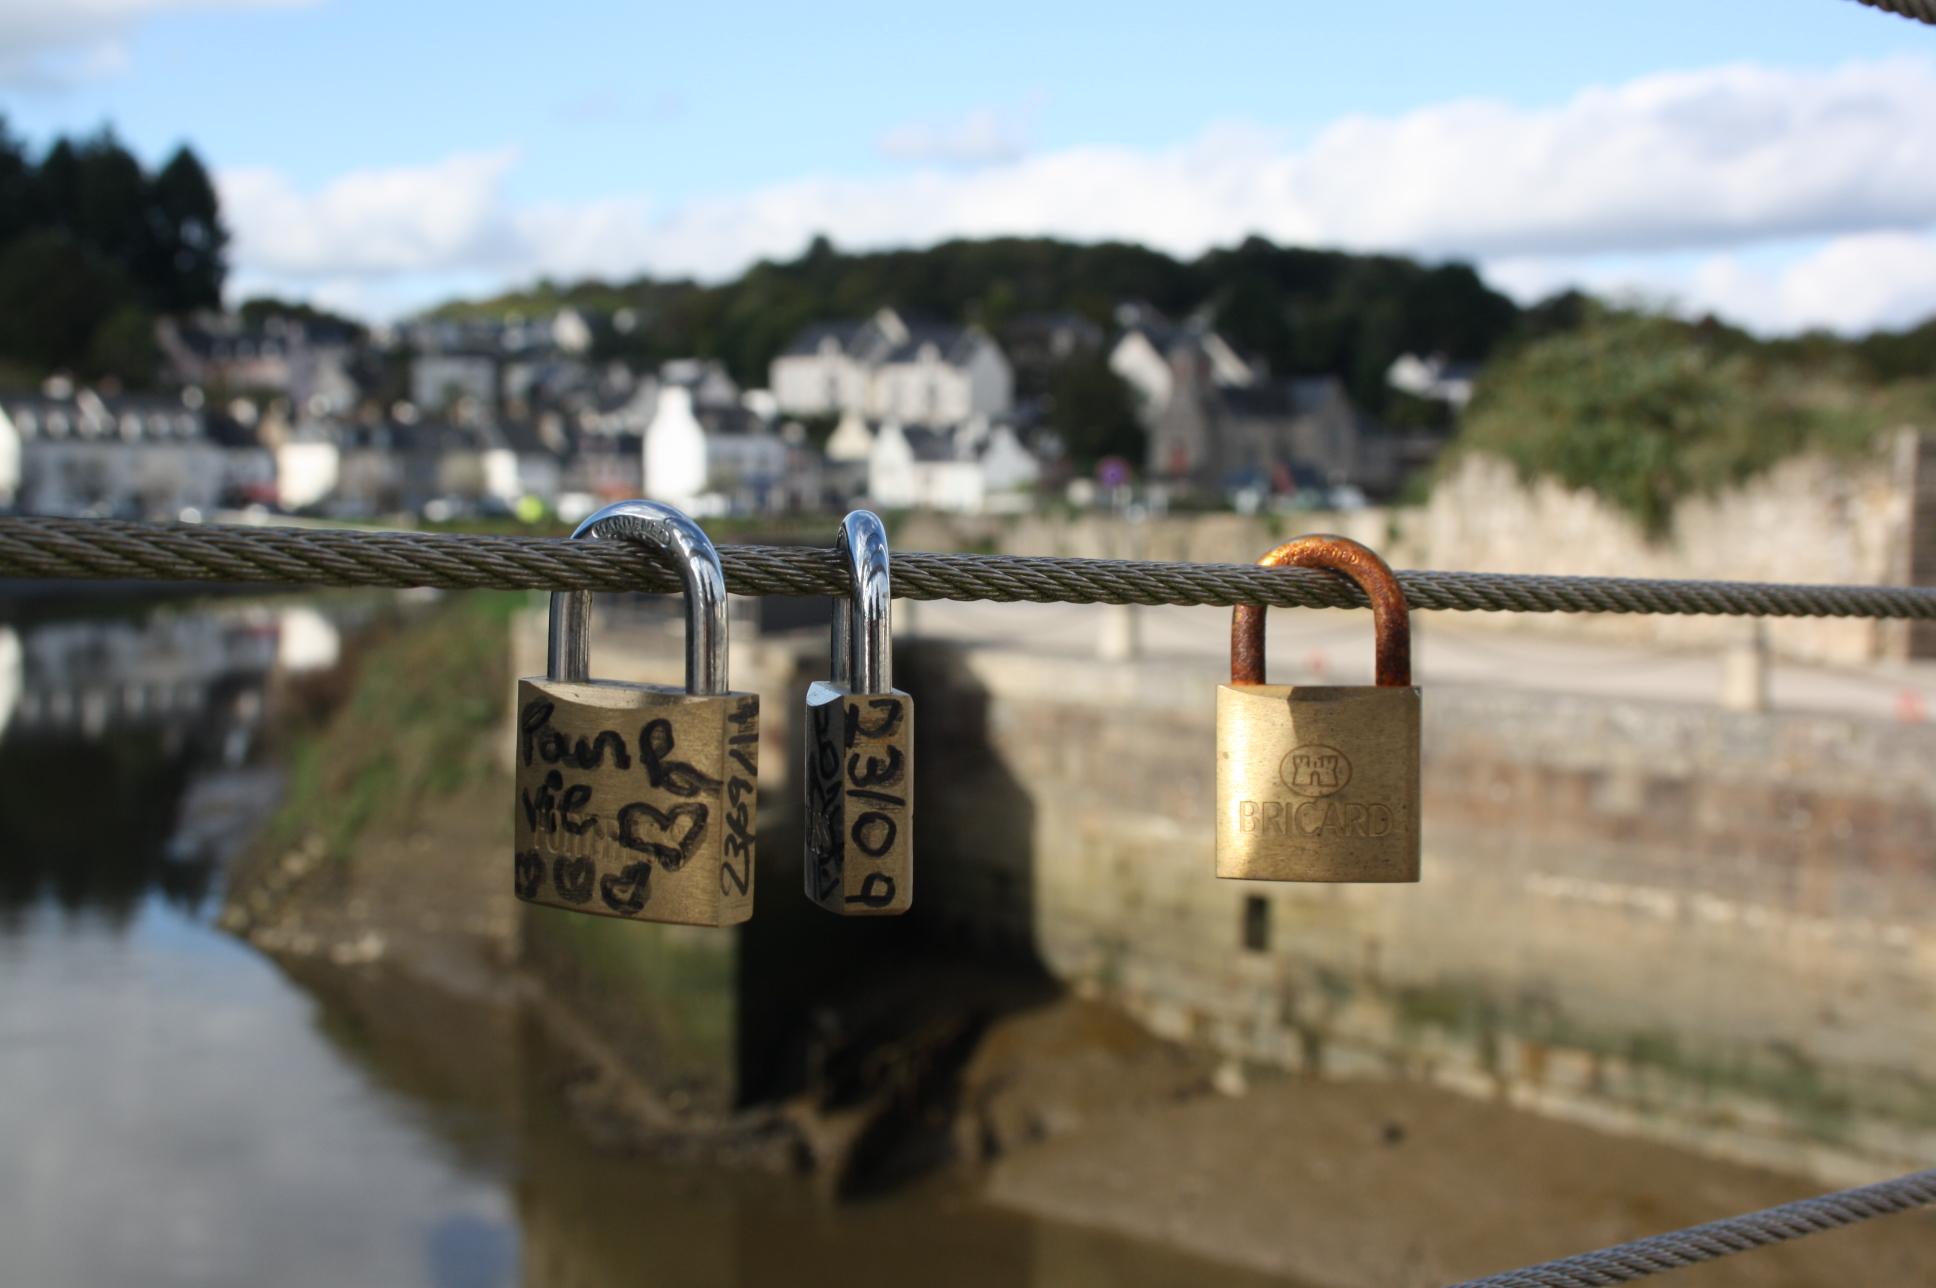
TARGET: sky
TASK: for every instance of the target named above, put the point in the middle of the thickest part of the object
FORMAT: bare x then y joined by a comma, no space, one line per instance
1768,160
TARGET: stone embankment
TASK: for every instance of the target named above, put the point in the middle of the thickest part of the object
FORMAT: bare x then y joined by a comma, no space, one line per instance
1691,925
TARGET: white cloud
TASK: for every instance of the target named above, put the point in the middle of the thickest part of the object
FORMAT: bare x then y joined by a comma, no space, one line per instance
984,136
1658,171
50,44
1851,283
433,218
1885,279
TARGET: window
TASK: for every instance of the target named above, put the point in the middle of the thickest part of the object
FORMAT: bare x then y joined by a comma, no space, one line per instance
1257,923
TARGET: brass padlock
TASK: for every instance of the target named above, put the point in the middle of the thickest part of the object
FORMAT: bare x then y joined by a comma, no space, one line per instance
860,748
1320,782
638,800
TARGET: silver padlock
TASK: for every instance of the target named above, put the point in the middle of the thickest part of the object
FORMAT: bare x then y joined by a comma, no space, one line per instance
860,748
639,800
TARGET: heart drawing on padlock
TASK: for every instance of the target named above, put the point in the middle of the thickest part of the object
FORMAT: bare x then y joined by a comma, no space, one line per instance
573,875
672,856
527,874
626,892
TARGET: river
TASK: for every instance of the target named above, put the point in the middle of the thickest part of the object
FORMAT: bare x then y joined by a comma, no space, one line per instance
181,1110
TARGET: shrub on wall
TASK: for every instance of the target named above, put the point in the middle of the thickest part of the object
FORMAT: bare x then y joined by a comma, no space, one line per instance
1646,410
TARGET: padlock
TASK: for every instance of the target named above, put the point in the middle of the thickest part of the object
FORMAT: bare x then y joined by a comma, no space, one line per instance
639,800
860,748
1320,782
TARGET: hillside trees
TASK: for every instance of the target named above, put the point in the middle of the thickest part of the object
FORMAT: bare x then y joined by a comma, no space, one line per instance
93,247
1305,312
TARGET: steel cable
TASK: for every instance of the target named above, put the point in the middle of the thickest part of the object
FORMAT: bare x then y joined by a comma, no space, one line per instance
112,549
1920,10
1627,1262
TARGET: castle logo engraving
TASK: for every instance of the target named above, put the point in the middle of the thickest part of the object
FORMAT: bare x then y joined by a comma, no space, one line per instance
1315,770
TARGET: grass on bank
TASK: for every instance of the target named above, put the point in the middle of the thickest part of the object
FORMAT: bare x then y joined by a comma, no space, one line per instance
423,717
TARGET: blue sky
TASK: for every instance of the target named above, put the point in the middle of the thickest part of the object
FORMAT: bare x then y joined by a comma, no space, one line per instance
378,155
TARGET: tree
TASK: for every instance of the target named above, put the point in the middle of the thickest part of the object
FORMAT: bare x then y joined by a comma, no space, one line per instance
54,294
93,247
56,201
17,180
187,259
111,204
1095,413
123,347
259,309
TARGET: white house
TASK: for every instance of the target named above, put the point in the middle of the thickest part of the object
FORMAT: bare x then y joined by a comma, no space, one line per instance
80,453
1433,378
890,368
675,450
1149,349
308,465
731,463
9,460
851,440
571,332
974,469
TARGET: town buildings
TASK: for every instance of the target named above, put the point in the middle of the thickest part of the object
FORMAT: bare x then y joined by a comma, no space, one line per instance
310,363
527,415
887,367
1222,426
1147,353
975,468
76,452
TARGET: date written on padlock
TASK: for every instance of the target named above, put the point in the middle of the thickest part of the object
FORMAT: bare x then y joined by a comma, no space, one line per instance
860,748
1320,782
638,800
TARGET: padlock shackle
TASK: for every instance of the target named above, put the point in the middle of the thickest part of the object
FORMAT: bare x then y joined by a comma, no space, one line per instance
1391,619
667,531
863,651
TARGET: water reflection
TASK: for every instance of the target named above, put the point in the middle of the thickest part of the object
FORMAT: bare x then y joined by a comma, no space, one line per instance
179,1112
182,1111
130,750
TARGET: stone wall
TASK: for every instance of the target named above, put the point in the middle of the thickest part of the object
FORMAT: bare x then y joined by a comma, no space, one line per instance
1810,519
1703,925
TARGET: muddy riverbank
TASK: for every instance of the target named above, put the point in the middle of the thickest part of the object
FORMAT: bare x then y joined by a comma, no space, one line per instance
853,1068
378,1101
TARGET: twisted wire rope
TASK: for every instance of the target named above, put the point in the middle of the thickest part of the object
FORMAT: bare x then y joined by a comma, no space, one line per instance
1659,1253
1920,10
113,549
107,549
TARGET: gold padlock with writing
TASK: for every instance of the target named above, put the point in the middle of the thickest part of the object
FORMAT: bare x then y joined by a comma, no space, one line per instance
1320,782
638,800
860,748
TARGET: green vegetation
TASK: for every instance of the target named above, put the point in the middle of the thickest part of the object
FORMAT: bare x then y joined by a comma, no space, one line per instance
1646,410
93,248
424,717
259,309
1095,412
1304,311
1654,1067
